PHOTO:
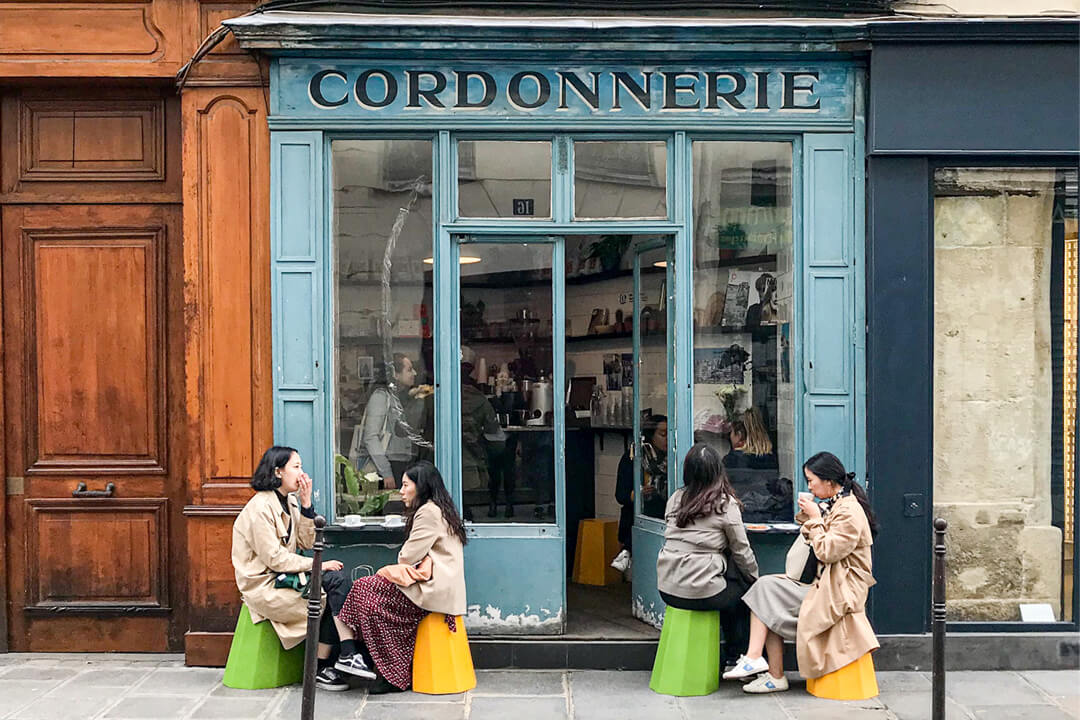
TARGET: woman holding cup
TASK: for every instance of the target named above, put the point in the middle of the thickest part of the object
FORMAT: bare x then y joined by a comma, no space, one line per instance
840,531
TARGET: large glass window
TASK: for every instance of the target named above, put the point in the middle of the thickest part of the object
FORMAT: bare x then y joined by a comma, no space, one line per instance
744,322
384,380
1005,314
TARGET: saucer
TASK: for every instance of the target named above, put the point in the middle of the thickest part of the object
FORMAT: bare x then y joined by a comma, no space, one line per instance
391,526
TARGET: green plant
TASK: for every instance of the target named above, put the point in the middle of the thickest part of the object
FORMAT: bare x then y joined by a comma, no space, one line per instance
731,236
609,250
358,494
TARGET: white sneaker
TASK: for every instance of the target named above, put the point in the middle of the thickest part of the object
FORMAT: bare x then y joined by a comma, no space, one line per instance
745,667
766,684
621,561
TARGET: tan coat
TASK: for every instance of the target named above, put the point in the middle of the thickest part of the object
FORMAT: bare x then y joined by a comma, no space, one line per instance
431,537
833,629
262,547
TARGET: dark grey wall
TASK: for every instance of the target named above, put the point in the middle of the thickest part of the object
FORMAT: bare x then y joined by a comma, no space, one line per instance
1007,102
986,97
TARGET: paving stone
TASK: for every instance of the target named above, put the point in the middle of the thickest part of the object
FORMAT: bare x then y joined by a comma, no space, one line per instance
15,697
413,711
179,681
267,694
903,682
519,682
121,677
991,688
500,708
84,704
1019,712
411,698
726,704
917,706
328,705
1055,682
37,673
797,698
151,706
848,712
237,708
1070,704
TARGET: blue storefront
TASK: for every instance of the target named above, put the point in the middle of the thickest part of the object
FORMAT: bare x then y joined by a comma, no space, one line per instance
553,258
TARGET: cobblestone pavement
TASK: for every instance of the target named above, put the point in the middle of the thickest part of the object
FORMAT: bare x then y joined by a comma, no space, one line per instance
151,687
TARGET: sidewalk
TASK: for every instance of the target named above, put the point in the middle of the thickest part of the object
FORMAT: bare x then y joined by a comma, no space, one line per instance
88,687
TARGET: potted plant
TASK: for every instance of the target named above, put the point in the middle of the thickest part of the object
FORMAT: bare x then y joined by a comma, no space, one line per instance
730,238
608,250
358,494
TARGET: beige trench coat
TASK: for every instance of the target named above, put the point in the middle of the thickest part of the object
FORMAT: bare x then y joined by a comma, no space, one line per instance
262,547
833,629
431,537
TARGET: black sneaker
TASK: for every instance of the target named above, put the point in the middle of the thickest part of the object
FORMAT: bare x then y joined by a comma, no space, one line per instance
332,680
382,686
354,665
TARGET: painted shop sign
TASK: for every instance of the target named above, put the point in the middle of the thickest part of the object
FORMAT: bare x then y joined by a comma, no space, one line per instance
380,90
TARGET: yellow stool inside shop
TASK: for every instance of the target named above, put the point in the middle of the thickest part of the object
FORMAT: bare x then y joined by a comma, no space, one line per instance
442,662
855,681
597,545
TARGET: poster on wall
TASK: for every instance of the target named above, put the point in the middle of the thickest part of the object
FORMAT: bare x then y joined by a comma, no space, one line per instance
750,300
613,371
721,366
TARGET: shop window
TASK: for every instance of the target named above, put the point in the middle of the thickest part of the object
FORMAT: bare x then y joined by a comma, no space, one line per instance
504,179
744,322
1005,313
384,374
620,179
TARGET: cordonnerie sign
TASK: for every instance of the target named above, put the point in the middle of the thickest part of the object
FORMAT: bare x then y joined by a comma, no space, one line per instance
383,90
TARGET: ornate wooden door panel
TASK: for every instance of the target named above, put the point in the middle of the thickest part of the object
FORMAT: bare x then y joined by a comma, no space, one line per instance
87,392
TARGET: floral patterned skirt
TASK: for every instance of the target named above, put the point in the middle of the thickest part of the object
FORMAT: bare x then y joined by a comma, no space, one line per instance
386,621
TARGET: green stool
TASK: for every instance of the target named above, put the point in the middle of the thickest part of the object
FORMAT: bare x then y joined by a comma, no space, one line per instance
257,660
688,658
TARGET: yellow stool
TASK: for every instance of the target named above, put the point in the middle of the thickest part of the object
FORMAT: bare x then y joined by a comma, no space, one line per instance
597,546
855,681
442,663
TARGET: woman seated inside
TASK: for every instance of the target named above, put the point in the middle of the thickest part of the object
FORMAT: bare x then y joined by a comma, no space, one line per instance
273,525
827,618
706,562
381,447
381,613
751,446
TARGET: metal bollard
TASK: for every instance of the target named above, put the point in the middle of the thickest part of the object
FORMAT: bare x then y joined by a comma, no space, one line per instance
937,711
314,612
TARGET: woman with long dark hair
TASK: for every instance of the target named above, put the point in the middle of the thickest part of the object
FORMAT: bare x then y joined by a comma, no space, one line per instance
706,562
827,617
382,612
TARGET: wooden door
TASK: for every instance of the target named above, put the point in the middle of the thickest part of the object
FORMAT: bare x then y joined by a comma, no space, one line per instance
91,358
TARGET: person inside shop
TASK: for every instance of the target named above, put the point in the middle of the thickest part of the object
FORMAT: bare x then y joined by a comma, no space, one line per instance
378,620
827,617
653,484
482,438
384,447
751,446
276,522
706,562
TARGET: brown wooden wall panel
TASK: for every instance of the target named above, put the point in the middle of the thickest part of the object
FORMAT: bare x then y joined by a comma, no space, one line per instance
96,555
214,598
65,140
96,352
107,144
49,28
226,175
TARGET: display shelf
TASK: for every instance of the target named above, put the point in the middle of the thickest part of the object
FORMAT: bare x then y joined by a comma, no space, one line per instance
769,259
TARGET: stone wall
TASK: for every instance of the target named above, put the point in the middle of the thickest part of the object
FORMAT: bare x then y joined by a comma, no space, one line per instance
992,390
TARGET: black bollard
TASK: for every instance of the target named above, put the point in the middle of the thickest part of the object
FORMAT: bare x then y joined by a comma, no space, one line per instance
937,711
314,612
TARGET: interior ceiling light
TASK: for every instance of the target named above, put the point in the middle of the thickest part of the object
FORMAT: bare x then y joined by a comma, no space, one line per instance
660,264
464,260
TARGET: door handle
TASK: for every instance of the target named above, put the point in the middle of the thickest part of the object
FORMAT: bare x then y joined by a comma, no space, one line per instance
80,491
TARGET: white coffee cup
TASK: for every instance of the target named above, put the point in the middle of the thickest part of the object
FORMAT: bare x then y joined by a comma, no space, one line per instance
808,495
352,520
393,520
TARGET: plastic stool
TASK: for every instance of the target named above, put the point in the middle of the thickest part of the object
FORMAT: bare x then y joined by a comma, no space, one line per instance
257,660
855,681
442,663
597,545
688,657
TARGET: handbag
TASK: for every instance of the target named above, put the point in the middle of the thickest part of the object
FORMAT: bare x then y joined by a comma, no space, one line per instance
300,582
801,562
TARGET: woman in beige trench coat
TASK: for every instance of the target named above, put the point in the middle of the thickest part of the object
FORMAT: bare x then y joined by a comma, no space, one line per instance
826,619
277,521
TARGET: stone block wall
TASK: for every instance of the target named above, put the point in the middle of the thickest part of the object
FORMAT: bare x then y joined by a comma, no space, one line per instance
993,390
